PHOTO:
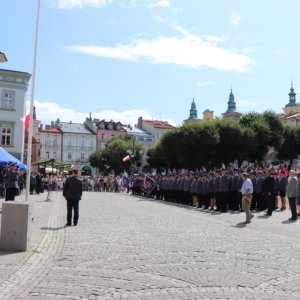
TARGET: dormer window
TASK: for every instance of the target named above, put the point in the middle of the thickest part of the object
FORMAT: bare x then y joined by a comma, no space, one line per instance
110,126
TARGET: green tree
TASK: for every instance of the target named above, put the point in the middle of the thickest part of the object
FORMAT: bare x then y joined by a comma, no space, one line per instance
290,148
276,126
114,152
231,145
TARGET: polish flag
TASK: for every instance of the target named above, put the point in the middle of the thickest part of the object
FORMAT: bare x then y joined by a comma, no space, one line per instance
126,158
27,119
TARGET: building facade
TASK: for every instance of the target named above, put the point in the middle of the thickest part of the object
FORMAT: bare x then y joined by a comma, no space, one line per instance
107,130
13,87
154,127
50,139
140,135
78,143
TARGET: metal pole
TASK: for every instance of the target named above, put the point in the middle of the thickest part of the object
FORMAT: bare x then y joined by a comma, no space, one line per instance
29,143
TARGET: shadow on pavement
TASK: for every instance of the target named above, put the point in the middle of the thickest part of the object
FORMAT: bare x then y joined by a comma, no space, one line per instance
240,225
53,228
288,222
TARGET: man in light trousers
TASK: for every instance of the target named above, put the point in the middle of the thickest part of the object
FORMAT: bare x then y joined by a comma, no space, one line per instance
247,191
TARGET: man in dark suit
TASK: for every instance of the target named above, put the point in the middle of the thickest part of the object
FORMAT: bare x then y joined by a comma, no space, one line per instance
12,182
72,191
268,190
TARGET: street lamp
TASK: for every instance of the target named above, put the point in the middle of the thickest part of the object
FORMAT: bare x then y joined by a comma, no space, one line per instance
3,57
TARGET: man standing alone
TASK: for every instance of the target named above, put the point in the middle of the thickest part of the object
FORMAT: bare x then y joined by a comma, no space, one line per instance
292,190
247,191
72,191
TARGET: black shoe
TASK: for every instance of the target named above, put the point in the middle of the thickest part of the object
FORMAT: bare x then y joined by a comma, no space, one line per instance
68,224
75,224
268,215
292,219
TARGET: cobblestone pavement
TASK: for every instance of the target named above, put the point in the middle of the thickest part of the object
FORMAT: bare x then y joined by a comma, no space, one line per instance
132,248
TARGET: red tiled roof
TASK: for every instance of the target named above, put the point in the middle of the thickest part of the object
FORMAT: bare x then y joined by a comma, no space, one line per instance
292,116
159,124
53,130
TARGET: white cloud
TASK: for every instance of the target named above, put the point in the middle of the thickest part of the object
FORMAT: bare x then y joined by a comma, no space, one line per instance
177,10
160,3
68,4
235,19
187,50
282,52
205,83
50,111
159,18
248,103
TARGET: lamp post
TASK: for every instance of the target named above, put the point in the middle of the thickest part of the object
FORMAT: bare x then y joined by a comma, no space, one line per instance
29,144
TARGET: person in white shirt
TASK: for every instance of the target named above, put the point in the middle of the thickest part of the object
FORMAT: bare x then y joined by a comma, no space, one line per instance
247,191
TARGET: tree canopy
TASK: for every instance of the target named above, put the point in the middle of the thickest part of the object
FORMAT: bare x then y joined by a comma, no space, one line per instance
211,143
111,158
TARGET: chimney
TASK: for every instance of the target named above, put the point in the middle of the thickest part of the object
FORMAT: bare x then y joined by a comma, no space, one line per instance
140,122
52,124
41,126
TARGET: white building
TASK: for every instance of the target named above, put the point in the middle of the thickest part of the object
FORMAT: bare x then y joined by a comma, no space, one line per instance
78,143
154,127
140,135
50,143
13,87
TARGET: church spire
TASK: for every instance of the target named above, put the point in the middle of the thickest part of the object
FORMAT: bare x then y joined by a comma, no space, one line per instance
231,103
292,97
193,111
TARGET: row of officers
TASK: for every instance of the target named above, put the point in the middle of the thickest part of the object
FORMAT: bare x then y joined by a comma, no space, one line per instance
219,190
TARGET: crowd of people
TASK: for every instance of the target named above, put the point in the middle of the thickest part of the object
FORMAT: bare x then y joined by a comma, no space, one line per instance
221,190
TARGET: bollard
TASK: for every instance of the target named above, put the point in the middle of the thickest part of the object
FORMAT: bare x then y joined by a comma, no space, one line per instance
16,226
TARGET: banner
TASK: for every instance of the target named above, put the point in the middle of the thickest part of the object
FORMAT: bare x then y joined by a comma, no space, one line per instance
148,184
125,181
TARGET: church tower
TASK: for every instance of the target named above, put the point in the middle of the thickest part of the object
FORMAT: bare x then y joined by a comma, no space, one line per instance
292,107
193,114
231,108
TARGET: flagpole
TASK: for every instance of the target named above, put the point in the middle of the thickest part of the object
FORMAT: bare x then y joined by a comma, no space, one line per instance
30,133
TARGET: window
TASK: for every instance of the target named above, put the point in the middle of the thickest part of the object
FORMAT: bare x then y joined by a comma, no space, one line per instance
47,155
103,136
82,155
6,135
55,142
54,155
8,100
112,136
82,143
48,140
69,156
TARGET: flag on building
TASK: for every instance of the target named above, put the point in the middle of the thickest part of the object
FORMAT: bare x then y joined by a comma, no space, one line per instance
127,158
148,184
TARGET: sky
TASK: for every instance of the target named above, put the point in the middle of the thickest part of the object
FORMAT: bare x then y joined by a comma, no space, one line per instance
121,59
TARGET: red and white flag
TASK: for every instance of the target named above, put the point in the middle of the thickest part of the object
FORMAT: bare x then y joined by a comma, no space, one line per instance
127,158
26,121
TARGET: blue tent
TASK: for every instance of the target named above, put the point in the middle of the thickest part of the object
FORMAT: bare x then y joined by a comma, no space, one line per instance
6,158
